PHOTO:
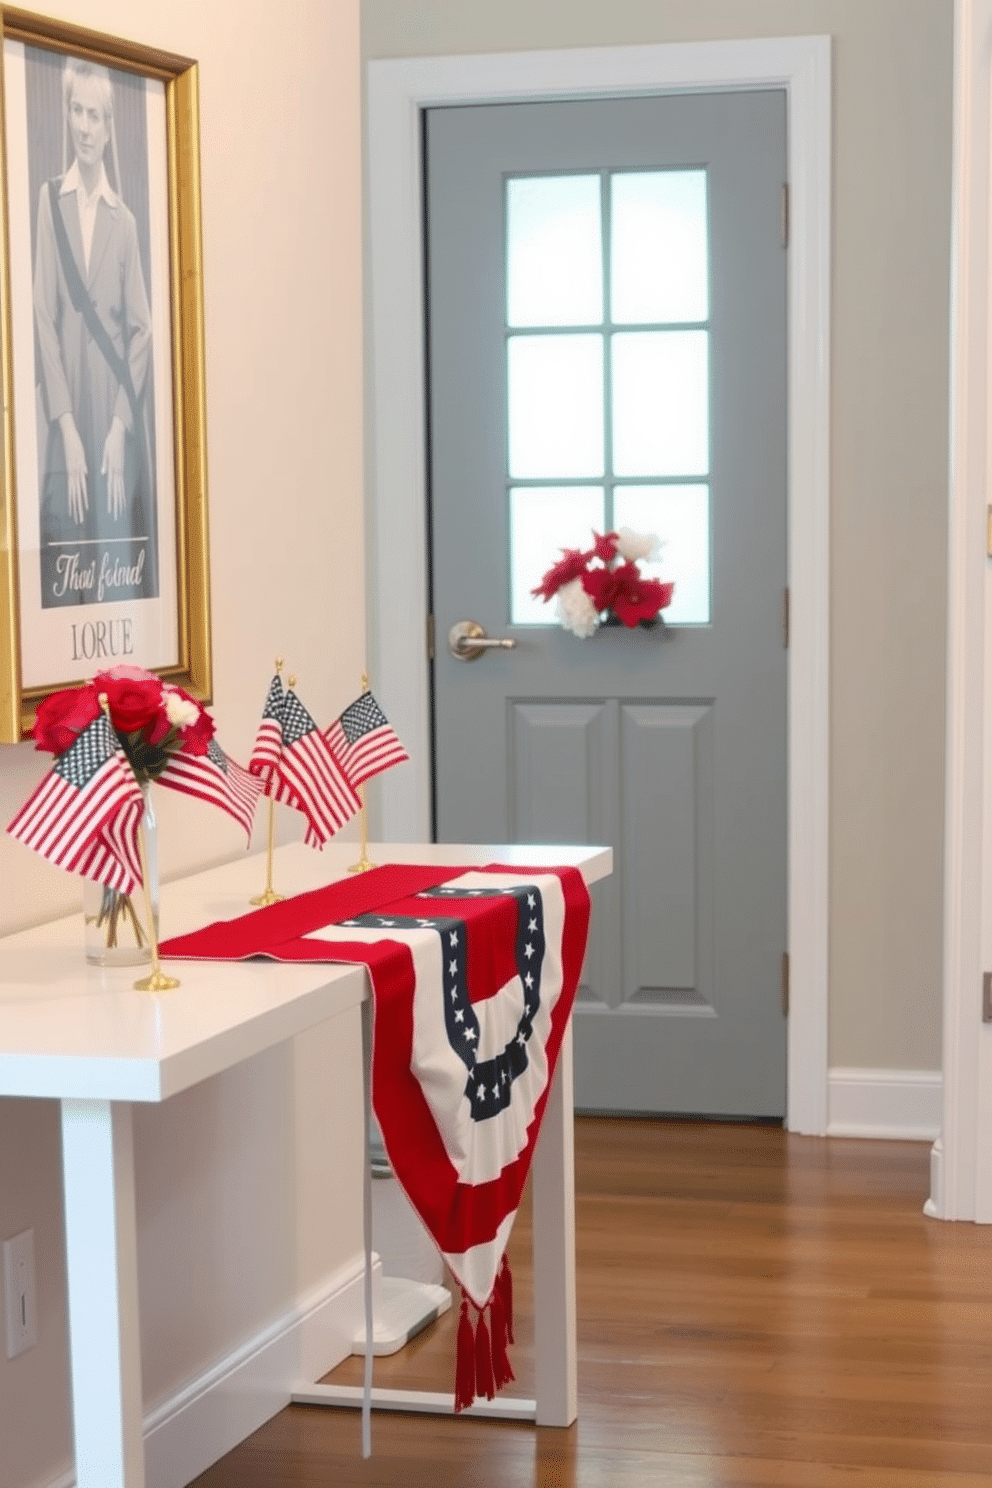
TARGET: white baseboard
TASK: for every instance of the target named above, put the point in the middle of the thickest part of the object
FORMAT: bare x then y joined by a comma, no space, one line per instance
208,1417
901,1105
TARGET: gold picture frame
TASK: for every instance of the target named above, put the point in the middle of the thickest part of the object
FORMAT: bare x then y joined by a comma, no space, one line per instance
57,631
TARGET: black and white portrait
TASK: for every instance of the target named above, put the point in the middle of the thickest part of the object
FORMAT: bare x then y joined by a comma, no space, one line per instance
91,312
93,332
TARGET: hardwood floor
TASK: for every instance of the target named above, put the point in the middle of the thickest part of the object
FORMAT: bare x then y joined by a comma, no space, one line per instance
756,1310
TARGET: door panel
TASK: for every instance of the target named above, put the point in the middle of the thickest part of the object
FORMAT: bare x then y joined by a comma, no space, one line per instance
665,862
563,789
668,744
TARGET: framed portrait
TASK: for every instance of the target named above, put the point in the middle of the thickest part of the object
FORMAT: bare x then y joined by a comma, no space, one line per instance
103,485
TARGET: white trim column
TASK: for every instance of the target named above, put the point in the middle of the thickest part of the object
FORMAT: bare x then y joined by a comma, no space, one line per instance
553,1195
102,1273
398,92
961,1169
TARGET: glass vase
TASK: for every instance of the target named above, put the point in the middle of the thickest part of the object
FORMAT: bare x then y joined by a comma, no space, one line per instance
116,924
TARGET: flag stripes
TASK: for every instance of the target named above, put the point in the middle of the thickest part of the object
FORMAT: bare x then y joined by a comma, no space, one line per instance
84,815
265,756
121,832
217,779
363,740
315,783
297,767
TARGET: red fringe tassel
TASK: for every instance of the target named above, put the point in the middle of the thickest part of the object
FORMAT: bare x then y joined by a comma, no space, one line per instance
483,1360
482,1364
502,1372
464,1361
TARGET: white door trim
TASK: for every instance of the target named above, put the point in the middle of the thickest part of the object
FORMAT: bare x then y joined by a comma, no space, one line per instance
398,90
961,1171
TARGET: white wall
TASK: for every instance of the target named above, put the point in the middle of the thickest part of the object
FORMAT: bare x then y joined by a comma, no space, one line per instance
891,64
249,1186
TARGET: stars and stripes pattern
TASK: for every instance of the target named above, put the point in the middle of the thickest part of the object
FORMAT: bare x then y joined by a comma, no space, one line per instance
312,777
363,740
217,779
482,1018
312,774
489,1087
266,756
460,1153
474,973
85,814
268,741
297,766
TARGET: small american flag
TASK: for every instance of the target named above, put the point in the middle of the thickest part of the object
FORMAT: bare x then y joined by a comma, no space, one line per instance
363,740
85,814
311,777
265,756
216,778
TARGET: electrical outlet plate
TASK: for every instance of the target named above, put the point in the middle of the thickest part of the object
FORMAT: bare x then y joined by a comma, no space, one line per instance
20,1304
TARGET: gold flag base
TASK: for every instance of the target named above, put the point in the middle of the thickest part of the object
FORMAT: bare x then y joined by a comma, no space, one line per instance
157,982
362,866
269,897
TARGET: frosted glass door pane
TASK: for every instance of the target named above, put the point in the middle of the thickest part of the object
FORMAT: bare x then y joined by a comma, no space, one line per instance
660,254
661,403
680,515
555,400
543,520
554,251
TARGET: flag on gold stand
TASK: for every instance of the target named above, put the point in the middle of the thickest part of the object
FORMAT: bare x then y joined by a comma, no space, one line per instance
363,740
297,766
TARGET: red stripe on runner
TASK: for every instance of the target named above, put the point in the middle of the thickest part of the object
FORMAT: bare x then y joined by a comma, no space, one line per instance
262,931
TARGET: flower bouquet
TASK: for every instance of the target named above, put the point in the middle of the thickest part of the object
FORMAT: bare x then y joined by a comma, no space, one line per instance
603,585
154,722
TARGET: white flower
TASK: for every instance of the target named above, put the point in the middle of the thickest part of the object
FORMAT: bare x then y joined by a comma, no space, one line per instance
179,710
575,610
634,545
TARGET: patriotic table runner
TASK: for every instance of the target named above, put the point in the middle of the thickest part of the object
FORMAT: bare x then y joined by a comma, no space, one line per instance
474,973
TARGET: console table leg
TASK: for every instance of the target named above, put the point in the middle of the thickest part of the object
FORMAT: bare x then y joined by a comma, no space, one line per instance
101,1265
554,1253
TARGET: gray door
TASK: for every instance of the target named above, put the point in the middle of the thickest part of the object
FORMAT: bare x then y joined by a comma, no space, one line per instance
607,347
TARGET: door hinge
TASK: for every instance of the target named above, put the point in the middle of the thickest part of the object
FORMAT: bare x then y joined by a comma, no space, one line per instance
785,984
987,997
988,531
430,637
785,214
785,616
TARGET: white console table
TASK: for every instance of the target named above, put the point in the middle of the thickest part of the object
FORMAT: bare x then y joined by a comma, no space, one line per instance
85,1037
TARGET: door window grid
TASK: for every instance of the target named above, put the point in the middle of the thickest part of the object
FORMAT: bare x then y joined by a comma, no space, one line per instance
561,458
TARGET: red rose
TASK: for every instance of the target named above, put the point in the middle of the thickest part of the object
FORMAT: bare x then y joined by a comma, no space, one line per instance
62,716
134,697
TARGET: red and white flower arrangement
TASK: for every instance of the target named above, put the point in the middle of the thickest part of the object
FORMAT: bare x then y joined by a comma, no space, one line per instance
153,720
157,725
603,584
